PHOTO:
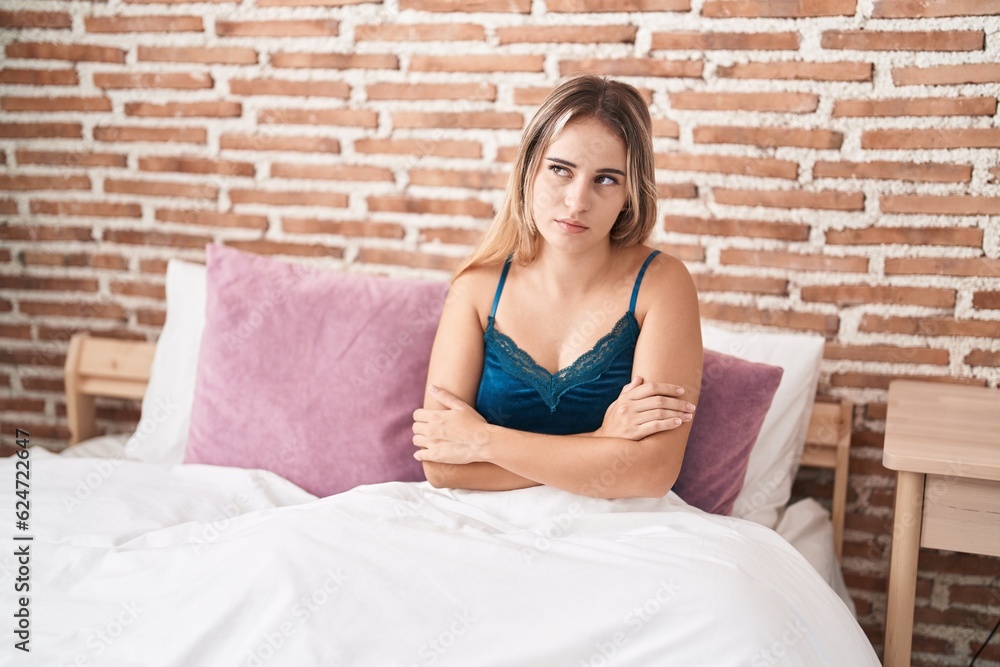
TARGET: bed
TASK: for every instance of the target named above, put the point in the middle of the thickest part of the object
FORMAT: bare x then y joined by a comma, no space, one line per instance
147,560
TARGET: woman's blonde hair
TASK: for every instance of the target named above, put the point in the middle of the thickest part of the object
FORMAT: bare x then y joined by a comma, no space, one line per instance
622,110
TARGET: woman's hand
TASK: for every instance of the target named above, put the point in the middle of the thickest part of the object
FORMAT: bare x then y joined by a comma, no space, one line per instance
643,409
453,434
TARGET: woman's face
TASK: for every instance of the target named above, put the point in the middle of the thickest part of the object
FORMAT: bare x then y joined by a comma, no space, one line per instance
579,188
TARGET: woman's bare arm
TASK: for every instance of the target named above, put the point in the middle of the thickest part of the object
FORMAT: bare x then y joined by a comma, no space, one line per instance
456,365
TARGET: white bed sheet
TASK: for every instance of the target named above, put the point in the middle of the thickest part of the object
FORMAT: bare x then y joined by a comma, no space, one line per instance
805,524
140,564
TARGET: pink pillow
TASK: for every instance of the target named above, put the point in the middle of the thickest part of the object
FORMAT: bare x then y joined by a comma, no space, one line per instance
311,374
735,396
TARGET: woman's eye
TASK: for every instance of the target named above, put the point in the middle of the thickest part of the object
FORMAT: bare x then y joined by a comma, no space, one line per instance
557,170
607,180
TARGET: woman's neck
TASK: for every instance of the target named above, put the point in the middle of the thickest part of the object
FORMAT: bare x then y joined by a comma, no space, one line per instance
568,276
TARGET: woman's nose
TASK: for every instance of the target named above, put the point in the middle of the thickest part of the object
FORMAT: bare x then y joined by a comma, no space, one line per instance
578,195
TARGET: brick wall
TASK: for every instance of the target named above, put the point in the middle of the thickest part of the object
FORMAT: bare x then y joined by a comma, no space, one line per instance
824,165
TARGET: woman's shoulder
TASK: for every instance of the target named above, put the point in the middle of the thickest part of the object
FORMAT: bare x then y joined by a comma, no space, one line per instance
476,286
666,280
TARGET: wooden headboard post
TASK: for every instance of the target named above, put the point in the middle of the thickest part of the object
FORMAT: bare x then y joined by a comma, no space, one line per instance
828,445
102,367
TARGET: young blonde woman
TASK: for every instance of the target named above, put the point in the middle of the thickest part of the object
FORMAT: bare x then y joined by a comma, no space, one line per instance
561,331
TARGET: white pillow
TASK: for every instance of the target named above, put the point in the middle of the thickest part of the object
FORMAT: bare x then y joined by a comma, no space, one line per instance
161,435
774,460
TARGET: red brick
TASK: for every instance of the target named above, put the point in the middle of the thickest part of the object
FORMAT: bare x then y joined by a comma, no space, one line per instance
944,236
314,28
420,260
591,6
216,109
946,204
218,55
306,3
728,164
768,137
887,9
788,231
793,260
796,71
161,188
665,127
564,34
477,63
471,207
930,326
351,228
505,6
973,595
335,172
213,218
337,89
279,142
920,106
174,80
943,266
71,52
986,300
705,282
146,23
25,19
986,137
40,130
39,77
676,191
833,200
890,354
933,560
178,2
691,69
725,41
983,358
490,120
785,102
55,104
946,74
886,40
450,235
784,319
184,135
86,209
423,32
854,295
335,60
72,159
454,178
431,91
930,172
420,147
771,9
289,198
195,165
876,381
39,182
300,116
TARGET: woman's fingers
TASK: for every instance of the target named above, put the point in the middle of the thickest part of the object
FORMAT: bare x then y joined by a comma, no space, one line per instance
647,389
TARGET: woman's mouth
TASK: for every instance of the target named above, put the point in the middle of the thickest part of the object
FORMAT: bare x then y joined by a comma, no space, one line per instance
571,226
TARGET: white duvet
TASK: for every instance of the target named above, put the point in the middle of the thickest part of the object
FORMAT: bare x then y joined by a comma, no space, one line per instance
137,564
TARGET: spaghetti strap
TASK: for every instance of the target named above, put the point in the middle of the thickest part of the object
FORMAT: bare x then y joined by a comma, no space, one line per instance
638,281
503,279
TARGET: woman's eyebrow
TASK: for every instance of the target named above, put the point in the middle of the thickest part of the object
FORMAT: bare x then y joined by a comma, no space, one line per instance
599,171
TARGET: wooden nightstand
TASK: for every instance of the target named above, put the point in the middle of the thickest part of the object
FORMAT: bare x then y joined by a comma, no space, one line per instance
943,441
